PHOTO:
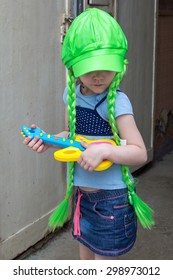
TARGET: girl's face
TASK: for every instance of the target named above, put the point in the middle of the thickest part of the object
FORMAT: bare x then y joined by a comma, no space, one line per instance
96,82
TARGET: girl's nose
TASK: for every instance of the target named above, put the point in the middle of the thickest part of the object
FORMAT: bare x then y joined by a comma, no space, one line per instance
97,75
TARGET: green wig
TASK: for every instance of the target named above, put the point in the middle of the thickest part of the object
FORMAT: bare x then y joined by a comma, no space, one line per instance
95,41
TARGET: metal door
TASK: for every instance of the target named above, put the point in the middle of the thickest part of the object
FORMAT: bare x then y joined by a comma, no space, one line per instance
138,19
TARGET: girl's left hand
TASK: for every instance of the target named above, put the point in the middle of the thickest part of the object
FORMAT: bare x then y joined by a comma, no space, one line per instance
93,155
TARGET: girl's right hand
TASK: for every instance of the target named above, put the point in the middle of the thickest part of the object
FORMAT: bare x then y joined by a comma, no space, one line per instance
35,144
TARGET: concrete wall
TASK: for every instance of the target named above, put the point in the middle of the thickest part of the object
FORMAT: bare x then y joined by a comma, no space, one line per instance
32,80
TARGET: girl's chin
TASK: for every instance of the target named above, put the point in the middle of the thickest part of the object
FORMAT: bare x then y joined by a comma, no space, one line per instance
98,89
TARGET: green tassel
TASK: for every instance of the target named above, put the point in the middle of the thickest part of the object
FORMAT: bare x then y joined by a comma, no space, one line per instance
142,210
60,215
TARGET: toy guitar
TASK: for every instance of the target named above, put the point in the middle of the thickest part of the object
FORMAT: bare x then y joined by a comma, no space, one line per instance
72,149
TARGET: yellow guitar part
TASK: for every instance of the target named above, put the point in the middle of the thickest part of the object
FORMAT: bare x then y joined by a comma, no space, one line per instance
72,154
67,154
88,141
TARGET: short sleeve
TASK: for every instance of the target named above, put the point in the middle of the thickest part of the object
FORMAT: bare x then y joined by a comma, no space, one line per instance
123,105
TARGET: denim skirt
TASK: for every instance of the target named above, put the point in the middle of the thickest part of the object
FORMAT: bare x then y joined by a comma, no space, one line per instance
104,221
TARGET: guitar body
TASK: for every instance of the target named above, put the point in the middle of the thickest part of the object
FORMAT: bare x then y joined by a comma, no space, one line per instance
72,154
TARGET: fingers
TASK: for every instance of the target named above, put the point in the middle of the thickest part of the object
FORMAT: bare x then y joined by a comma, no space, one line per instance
85,164
35,144
41,148
84,144
26,140
34,125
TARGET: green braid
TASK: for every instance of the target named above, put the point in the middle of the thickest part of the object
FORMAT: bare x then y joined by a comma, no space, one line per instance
142,210
60,215
111,97
71,101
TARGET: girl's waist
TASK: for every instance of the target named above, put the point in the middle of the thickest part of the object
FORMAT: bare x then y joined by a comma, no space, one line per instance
91,194
86,189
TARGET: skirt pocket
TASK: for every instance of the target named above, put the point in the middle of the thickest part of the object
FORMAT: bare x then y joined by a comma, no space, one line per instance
130,223
102,212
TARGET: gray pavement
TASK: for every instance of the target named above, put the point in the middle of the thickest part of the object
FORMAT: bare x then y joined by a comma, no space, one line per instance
156,188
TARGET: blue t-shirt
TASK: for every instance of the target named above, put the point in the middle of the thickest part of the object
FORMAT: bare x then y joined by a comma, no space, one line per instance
110,178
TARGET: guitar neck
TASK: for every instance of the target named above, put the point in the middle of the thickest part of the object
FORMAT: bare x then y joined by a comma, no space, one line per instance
51,139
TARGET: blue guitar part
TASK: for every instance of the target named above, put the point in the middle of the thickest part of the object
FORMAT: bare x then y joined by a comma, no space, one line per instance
49,138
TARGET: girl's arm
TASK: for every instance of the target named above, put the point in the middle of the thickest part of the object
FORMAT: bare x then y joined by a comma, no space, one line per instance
133,153
37,144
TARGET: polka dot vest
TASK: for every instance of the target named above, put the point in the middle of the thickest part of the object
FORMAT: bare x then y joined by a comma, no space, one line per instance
89,122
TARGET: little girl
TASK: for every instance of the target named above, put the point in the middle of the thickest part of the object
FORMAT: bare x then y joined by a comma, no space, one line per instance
106,202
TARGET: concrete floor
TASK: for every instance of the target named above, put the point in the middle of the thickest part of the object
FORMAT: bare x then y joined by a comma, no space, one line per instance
156,188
